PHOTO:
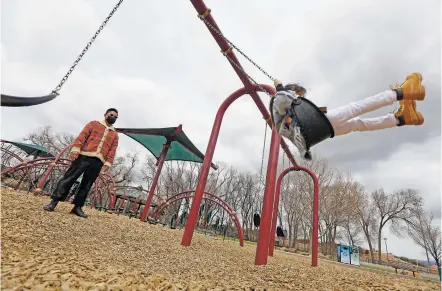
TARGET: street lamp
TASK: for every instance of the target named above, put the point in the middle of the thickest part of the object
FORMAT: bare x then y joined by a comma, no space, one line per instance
386,249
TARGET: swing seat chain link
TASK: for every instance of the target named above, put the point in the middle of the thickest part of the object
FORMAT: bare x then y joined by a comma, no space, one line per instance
71,69
226,53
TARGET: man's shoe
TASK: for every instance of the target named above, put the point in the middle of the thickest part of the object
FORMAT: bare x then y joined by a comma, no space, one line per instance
411,89
408,115
77,211
51,206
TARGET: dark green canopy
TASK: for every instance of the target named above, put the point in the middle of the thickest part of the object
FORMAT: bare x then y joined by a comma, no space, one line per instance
153,139
33,149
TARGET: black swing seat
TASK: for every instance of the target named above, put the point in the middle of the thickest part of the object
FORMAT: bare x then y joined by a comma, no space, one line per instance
256,219
280,232
316,126
14,101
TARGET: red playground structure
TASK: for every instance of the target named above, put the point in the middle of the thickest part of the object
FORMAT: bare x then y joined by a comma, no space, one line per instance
267,230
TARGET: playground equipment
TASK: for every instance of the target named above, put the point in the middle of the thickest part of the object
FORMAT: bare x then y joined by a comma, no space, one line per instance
23,151
15,101
207,197
315,205
267,212
128,194
175,146
314,127
40,175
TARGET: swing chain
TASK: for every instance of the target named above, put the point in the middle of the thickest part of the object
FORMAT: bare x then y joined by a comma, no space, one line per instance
295,117
248,76
234,46
226,54
263,152
71,69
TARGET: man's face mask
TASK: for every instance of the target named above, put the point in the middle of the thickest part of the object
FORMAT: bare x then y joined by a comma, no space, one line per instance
111,118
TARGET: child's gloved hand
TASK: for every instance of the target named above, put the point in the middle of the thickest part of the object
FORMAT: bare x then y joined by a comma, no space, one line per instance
288,121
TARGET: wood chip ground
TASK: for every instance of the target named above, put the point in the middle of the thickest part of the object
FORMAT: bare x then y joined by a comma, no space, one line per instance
59,251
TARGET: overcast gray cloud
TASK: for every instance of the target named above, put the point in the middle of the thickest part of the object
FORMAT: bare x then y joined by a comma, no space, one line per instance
157,63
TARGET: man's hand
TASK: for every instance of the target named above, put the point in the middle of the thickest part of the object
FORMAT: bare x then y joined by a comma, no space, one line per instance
74,155
105,169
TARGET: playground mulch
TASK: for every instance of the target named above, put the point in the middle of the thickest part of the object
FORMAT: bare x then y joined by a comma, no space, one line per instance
59,251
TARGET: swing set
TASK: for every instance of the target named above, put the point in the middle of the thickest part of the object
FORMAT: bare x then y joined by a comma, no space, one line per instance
314,126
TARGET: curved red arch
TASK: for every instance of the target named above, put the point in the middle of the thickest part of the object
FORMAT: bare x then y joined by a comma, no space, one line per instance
220,203
315,210
12,154
51,162
192,191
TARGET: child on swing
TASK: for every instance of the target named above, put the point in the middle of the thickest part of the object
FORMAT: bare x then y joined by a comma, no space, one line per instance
345,119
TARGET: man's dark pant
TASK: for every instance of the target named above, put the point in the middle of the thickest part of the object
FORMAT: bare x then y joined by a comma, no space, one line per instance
90,167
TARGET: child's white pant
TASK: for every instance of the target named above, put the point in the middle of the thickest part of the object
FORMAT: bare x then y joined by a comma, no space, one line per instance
345,119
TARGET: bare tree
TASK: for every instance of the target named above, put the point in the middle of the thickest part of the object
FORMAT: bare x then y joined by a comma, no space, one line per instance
426,235
365,214
335,207
351,228
291,199
53,142
395,208
122,169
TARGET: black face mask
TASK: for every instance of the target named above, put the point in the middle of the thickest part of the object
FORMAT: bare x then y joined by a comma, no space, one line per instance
111,119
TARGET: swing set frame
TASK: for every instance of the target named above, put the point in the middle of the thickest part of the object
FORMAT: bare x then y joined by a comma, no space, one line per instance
269,211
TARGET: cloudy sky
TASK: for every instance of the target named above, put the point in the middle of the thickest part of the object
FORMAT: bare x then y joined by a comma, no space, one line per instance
158,64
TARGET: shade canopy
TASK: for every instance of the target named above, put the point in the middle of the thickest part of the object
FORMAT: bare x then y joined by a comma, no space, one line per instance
153,139
33,149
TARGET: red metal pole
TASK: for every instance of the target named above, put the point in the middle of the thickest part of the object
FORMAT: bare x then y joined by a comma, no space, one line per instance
49,170
262,248
224,206
160,163
193,213
315,218
275,211
201,8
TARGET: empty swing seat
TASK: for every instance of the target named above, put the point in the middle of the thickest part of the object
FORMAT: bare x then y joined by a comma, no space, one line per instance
15,101
316,126
256,219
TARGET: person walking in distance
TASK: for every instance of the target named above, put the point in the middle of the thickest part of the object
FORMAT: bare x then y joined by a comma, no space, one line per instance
92,151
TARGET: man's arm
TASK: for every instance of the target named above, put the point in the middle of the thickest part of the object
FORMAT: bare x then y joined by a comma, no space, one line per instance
111,155
81,138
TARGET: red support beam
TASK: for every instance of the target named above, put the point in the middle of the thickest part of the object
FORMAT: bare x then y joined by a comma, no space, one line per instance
202,181
48,172
160,163
251,89
224,206
315,218
262,248
193,214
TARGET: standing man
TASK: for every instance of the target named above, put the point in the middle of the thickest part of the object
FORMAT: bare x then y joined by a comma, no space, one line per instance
92,151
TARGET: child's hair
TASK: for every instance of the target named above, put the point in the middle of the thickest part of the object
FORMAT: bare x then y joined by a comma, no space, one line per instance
295,87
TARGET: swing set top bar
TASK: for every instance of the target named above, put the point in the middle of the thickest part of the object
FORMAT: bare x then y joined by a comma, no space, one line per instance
202,10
